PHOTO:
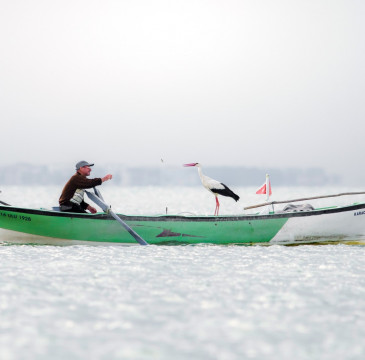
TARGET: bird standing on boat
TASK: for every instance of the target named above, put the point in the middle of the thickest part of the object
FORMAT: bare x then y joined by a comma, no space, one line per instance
214,186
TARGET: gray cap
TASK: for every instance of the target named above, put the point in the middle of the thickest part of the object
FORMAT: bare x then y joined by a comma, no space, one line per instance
82,163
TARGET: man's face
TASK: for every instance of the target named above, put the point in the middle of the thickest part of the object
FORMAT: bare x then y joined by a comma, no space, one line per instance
85,170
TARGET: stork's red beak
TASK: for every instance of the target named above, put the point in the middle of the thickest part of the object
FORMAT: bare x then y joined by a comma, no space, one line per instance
191,164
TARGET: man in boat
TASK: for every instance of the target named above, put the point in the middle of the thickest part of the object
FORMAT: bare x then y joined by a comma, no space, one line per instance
72,197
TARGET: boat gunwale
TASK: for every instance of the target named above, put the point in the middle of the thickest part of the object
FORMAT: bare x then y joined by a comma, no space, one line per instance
193,218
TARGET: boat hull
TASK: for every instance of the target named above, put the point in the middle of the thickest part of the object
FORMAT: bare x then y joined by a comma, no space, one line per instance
51,227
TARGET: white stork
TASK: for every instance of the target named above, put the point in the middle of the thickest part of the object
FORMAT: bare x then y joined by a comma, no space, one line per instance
214,186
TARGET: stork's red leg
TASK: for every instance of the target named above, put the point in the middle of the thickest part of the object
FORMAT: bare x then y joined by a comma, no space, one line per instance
216,206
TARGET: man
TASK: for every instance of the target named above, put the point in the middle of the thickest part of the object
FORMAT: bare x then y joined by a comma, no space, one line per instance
72,197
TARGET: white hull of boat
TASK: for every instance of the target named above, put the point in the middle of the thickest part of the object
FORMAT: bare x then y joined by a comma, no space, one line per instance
340,227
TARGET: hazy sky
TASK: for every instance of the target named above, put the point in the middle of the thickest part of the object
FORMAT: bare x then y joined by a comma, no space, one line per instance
268,83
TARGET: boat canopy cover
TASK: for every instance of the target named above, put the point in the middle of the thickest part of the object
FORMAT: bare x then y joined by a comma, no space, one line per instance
296,208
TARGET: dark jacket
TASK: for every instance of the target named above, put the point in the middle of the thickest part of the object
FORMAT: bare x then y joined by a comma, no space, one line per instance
77,181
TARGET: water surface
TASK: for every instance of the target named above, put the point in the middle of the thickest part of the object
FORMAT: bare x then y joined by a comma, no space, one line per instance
179,302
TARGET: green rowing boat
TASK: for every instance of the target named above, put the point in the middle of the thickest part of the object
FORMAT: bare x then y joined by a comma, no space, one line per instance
31,226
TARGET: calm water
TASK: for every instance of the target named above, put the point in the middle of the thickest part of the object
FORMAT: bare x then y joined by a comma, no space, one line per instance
187,302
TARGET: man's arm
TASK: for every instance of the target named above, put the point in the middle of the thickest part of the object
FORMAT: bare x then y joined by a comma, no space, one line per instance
85,205
82,182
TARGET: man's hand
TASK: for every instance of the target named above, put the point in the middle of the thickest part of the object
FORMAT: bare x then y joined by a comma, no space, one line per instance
107,177
91,209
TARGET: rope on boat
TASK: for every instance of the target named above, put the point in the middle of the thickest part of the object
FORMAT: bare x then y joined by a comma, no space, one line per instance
302,199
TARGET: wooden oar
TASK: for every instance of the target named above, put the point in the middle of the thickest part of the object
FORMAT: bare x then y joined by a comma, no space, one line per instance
97,199
302,199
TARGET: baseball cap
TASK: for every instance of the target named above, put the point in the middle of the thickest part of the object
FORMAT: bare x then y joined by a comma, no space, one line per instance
82,163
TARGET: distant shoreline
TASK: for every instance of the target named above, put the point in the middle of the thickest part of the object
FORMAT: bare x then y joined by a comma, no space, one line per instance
29,174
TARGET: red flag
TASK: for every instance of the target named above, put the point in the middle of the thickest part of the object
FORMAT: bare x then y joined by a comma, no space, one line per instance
263,190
